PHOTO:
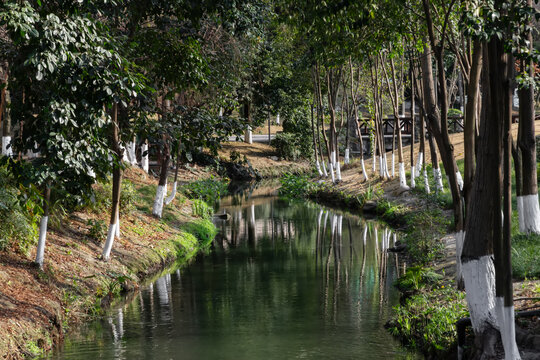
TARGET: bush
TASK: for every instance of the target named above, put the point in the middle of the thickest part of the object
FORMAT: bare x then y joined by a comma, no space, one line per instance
294,186
204,230
201,209
295,142
423,238
19,214
426,325
209,190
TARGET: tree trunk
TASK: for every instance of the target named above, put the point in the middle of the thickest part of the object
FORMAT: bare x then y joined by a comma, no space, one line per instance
470,118
171,197
116,186
357,121
317,164
530,210
439,129
40,252
6,124
248,137
413,105
161,190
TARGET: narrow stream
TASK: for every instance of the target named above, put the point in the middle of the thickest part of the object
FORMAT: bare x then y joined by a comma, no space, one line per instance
283,281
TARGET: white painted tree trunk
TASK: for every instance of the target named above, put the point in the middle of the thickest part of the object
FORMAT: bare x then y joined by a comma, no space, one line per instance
318,166
374,164
366,177
530,214
248,138
347,159
324,169
385,161
505,318
171,197
381,166
125,157
157,209
331,170
338,171
40,252
519,203
459,179
419,162
117,228
132,157
413,182
277,119
479,279
402,177
220,112
6,151
333,158
393,165
109,242
437,175
144,159
426,182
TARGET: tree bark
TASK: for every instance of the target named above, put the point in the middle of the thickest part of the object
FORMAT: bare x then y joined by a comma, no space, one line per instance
470,118
116,186
40,252
527,145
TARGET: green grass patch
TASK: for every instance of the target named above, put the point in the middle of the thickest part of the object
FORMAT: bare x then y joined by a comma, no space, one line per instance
525,256
203,229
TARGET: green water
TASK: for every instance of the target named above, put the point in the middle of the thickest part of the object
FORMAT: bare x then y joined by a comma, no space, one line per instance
283,281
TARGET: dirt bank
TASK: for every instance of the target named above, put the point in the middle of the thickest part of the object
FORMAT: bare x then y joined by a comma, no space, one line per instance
38,306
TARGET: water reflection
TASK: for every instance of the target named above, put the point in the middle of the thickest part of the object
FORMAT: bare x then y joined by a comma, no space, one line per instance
284,280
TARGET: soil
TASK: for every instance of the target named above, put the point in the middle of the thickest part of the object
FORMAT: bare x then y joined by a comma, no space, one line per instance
263,158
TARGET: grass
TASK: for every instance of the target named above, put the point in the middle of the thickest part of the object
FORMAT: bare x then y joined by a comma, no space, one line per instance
525,256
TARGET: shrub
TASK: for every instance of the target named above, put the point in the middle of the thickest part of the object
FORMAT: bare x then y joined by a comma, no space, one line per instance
201,209
295,141
294,186
204,230
20,212
426,325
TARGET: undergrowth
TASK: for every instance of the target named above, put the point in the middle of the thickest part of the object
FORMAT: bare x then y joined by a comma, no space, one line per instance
208,190
427,320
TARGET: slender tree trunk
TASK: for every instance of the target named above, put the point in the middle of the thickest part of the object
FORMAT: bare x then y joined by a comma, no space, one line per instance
171,197
40,252
161,190
357,121
317,164
6,124
248,137
470,118
530,209
439,129
116,187
413,105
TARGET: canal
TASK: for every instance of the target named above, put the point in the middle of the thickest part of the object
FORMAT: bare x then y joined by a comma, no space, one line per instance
283,280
